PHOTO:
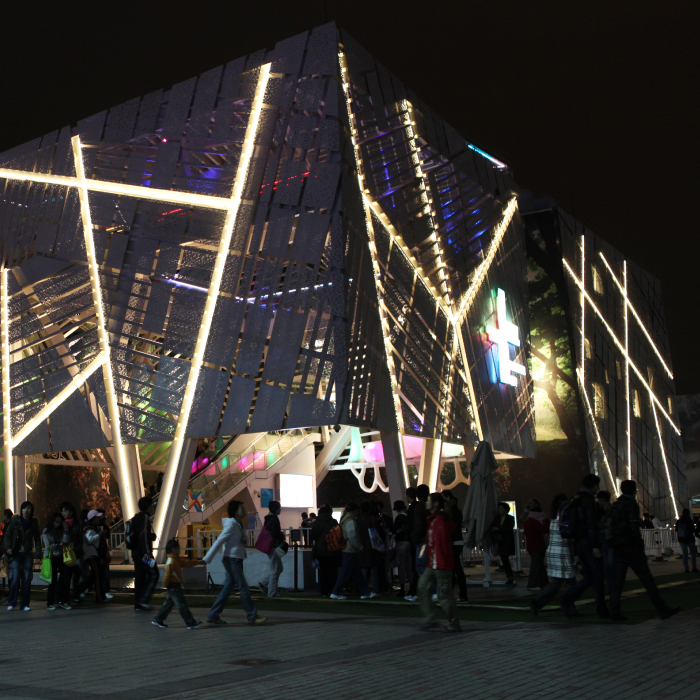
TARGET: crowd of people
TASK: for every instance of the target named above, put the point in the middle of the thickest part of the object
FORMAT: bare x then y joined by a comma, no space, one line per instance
357,555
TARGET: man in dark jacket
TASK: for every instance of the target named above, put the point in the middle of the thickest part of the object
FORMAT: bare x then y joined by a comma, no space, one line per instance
328,562
452,505
23,544
420,526
410,512
402,537
145,569
629,552
6,517
502,531
272,523
588,549
74,528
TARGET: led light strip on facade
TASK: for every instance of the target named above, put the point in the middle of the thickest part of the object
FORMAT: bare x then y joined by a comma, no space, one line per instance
6,404
627,380
384,322
663,456
621,347
583,311
599,440
628,304
212,297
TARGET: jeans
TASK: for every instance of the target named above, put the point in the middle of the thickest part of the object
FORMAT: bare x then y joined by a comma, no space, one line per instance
443,578
551,589
458,571
21,565
403,554
234,577
174,597
104,578
350,570
538,573
685,546
505,563
327,574
276,568
75,575
636,560
371,573
608,565
60,581
593,575
145,580
91,567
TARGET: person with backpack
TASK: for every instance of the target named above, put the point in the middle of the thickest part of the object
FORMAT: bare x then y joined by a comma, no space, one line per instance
536,528
23,546
502,531
627,540
91,556
351,548
559,561
74,528
581,518
328,562
54,537
402,537
233,541
272,523
439,569
139,539
686,531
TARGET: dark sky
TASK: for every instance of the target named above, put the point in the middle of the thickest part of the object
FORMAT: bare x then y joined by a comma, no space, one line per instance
595,99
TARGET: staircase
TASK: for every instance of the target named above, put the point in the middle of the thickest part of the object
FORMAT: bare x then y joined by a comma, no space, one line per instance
234,471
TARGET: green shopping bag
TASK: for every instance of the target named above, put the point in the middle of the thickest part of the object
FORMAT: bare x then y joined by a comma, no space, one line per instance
46,570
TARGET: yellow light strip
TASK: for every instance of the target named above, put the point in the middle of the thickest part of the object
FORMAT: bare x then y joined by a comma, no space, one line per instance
595,427
6,404
583,309
628,303
129,497
76,382
627,381
384,322
622,348
212,297
483,268
663,455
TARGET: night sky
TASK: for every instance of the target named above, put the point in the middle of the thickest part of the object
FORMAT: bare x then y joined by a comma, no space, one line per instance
595,103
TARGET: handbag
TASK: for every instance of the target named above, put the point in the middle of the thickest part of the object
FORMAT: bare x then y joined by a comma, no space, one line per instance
69,558
46,574
376,540
4,566
281,549
265,541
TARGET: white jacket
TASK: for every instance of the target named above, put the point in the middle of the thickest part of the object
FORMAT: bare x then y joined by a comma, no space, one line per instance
232,539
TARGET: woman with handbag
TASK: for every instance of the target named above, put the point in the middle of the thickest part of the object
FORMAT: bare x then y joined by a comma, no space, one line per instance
54,538
272,525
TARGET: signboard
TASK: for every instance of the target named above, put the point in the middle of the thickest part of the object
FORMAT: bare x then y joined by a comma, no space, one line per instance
505,335
266,495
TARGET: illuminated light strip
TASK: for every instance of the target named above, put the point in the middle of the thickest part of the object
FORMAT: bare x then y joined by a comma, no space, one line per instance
622,349
129,498
634,312
212,297
75,383
486,155
627,381
583,309
384,323
6,404
595,427
486,262
663,455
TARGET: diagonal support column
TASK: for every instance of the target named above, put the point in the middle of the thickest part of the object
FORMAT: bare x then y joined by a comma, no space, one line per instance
125,476
167,507
10,500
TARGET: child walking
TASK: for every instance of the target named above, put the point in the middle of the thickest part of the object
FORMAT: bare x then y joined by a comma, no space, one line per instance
173,580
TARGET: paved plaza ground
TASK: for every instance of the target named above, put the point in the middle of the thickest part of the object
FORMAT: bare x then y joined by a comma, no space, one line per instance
357,650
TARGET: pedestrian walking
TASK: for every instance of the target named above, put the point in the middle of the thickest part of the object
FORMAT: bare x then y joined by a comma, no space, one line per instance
91,556
605,535
272,523
233,541
172,582
54,538
686,530
457,544
23,546
536,529
410,511
629,552
350,569
584,515
75,533
404,552
420,527
4,559
502,531
372,538
104,557
140,540
559,561
328,562
439,569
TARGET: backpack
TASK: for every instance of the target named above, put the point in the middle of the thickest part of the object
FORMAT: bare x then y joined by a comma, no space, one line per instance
569,519
131,538
335,541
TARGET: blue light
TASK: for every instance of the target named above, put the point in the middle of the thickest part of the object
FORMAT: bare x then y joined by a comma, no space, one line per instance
486,155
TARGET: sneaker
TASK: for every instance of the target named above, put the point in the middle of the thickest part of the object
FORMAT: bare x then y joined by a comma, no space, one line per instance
258,621
65,606
409,598
414,598
196,625
511,582
217,621
11,607
668,612
162,625
142,606
82,595
435,598
333,596
462,600
50,607
26,608
109,596
450,630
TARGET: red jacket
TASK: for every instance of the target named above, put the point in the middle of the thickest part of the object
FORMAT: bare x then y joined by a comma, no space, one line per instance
535,530
440,553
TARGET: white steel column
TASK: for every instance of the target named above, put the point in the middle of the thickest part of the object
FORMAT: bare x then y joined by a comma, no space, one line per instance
395,464
627,380
168,490
429,470
6,405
